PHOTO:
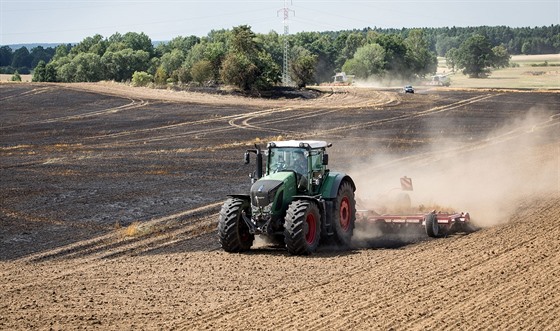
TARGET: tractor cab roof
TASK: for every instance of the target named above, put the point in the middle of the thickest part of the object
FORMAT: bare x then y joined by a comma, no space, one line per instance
307,144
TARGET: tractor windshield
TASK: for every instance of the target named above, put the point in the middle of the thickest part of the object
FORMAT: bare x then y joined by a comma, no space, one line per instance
296,159
288,159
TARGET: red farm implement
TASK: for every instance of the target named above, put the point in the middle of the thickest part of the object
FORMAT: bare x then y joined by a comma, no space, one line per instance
435,223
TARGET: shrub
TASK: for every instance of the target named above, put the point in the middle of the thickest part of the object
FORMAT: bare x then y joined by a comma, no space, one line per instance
141,78
202,71
16,77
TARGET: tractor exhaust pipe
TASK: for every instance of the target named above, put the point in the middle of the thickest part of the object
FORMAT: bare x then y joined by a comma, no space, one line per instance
259,172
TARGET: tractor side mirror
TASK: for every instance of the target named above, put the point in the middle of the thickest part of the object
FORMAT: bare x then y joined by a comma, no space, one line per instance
325,159
247,158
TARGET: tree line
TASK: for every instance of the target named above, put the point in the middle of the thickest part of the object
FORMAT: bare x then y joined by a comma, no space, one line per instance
248,60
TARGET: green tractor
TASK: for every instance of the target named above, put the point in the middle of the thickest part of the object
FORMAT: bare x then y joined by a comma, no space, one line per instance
296,201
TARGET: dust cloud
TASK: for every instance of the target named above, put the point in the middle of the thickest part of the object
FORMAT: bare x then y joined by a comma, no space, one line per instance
379,82
489,176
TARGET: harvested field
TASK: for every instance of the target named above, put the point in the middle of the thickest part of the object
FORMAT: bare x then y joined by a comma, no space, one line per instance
109,198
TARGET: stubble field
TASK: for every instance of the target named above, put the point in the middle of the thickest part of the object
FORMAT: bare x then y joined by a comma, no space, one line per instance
109,198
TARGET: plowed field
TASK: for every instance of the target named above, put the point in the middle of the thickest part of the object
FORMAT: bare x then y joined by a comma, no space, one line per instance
109,198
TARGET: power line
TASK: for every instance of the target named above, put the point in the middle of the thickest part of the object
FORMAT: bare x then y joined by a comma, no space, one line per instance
286,81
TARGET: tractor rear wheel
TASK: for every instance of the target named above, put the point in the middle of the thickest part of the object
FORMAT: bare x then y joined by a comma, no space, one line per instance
233,232
302,227
432,226
344,217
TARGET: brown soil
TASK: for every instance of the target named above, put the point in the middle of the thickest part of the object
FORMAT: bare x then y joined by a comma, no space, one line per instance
109,195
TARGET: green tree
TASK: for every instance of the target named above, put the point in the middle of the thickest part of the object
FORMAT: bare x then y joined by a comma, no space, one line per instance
243,40
451,58
202,72
40,72
526,48
138,42
475,57
120,65
171,62
246,65
96,45
269,71
61,51
368,61
353,42
418,56
212,51
65,69
5,56
39,53
88,66
444,43
395,54
239,70
273,44
325,47
184,44
160,78
50,73
501,57
302,69
21,58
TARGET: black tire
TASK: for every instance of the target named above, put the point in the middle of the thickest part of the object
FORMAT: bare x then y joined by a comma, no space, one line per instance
302,227
344,217
432,226
233,232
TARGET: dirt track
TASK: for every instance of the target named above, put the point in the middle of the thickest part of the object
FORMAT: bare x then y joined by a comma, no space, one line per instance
108,202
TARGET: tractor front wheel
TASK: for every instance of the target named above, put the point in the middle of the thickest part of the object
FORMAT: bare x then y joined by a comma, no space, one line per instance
302,227
233,232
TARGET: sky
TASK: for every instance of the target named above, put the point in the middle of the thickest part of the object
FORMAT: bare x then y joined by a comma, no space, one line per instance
64,21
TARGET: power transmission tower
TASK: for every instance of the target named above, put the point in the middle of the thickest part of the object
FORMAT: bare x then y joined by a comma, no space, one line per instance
286,81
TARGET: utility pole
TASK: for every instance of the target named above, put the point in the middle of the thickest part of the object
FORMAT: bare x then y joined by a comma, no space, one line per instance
286,81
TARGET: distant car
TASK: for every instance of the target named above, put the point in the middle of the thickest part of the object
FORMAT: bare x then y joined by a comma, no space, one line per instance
408,89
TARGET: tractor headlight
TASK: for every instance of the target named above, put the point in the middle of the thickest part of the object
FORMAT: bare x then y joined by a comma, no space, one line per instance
261,211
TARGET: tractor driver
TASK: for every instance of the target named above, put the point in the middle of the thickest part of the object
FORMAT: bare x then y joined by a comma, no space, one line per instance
299,164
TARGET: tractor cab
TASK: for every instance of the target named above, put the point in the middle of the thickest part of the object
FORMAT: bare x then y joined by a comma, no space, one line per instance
307,159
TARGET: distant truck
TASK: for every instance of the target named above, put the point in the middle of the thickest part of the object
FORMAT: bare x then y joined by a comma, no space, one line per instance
440,80
341,78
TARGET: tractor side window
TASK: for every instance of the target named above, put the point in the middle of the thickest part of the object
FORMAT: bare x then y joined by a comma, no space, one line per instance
316,161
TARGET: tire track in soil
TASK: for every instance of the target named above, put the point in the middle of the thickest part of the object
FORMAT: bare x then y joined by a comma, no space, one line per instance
385,99
133,104
161,232
232,125
34,91
455,271
428,112
164,137
245,125
508,294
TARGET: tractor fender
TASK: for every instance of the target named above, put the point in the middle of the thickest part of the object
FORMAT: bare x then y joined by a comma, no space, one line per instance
332,183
